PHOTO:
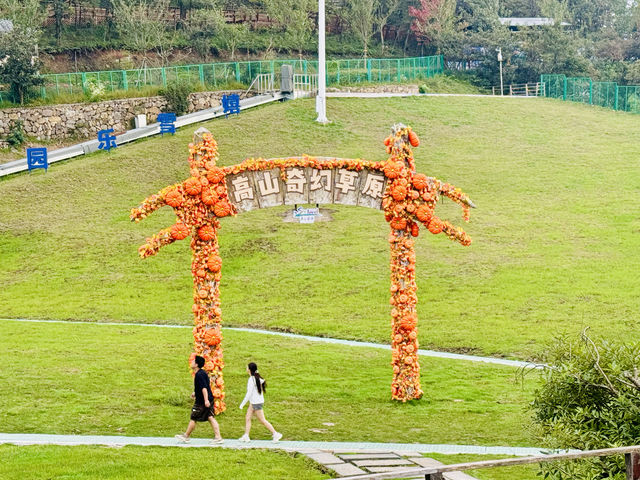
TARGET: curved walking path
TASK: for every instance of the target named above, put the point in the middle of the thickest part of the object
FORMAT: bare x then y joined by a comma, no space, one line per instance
351,343
298,446
413,94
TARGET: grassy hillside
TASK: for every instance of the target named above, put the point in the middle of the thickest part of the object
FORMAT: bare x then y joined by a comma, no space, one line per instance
555,233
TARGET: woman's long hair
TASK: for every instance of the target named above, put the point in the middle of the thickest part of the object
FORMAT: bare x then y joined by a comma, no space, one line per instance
261,386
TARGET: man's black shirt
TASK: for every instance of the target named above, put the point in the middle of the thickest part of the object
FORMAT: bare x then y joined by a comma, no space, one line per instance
200,381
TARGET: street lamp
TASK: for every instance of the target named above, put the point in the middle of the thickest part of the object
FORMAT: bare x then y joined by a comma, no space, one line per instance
500,61
321,99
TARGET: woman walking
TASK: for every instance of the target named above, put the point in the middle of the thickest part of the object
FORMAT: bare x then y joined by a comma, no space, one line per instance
255,396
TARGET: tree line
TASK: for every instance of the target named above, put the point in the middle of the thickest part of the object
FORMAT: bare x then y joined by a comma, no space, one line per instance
595,38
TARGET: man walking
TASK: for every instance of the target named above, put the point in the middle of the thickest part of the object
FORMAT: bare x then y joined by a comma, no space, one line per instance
202,410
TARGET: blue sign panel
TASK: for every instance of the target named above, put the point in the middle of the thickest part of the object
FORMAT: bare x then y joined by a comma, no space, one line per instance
231,104
37,158
167,123
106,139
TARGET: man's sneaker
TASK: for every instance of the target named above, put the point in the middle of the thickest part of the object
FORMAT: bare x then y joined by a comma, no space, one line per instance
277,436
217,441
244,438
183,438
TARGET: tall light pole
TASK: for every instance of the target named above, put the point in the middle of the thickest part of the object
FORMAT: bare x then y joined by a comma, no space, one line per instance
500,61
321,99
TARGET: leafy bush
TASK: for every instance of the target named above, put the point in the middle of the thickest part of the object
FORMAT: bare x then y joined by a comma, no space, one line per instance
94,89
590,399
423,88
16,133
177,96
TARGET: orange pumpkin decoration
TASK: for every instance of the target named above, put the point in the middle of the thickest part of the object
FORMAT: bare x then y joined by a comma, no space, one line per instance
398,223
180,231
222,208
388,141
192,186
206,233
209,196
424,213
174,198
393,169
212,337
435,225
215,174
201,273
413,139
399,193
415,230
214,263
203,293
409,322
221,190
420,181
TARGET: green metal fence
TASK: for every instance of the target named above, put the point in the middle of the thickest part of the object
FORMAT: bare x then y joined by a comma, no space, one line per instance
582,89
338,72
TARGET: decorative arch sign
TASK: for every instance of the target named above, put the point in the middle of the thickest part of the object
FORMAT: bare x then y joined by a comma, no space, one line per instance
407,198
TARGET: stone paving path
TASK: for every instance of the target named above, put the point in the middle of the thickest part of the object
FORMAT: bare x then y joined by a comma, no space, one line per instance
344,458
339,341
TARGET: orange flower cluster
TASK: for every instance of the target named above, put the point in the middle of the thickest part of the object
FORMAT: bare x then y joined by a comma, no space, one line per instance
321,163
410,200
198,203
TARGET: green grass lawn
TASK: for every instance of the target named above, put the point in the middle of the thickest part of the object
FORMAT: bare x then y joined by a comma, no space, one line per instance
127,380
158,463
555,233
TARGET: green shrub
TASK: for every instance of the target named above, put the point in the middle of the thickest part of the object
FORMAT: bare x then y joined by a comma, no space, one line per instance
177,96
16,133
423,88
590,399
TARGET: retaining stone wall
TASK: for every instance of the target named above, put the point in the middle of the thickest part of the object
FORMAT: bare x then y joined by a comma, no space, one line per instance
403,88
84,120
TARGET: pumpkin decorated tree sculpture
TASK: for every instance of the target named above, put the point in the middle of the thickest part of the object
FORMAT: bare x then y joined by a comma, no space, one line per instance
408,201
198,202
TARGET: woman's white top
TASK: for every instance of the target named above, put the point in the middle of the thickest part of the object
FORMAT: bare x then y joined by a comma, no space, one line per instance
252,395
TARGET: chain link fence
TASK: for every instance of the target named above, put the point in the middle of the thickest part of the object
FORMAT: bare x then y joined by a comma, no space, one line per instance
583,89
221,75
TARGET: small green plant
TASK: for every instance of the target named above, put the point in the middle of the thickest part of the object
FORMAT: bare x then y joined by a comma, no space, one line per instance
177,96
423,88
16,133
94,89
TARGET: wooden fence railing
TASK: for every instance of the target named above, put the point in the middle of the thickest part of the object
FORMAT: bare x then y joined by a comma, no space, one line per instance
632,460
521,90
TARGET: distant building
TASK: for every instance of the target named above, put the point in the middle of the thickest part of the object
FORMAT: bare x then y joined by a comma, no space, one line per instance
516,23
